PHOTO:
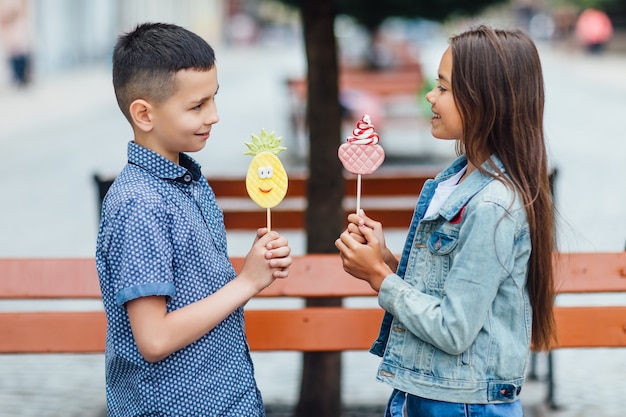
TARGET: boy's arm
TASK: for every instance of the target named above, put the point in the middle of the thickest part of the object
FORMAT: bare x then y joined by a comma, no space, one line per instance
158,333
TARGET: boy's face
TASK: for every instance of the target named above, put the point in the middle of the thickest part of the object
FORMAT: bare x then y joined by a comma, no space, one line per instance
182,123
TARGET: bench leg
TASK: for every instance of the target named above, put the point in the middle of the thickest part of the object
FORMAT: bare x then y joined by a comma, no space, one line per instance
532,373
551,388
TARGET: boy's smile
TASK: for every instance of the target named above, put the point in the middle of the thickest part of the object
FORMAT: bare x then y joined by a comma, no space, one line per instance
183,122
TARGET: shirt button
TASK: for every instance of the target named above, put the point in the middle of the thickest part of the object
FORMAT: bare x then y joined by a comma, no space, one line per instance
187,178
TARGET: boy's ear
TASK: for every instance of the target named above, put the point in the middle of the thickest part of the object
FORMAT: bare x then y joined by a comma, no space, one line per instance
141,113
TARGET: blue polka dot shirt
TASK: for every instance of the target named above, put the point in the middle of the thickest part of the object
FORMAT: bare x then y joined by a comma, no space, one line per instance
161,233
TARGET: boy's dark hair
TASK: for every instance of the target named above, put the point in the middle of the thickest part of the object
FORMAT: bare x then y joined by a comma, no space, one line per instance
146,60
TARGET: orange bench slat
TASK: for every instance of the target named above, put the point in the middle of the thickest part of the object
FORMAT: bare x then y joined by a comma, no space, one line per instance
580,327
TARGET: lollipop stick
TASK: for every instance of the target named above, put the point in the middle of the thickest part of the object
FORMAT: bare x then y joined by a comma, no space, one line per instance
358,193
269,220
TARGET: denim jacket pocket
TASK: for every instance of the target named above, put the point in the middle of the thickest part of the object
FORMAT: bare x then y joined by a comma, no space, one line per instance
441,245
442,242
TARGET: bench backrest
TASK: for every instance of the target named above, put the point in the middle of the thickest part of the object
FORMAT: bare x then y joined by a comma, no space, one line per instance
382,84
387,195
301,329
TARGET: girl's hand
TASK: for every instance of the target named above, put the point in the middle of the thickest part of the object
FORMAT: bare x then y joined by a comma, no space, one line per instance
357,220
363,260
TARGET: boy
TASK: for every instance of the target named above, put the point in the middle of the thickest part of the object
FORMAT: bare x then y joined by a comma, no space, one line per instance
175,343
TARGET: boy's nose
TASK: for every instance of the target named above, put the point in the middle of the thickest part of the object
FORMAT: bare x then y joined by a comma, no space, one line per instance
212,117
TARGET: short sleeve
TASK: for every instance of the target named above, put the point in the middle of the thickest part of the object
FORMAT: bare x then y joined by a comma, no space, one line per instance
140,251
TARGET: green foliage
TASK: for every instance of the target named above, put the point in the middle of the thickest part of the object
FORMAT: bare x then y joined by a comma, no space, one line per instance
371,13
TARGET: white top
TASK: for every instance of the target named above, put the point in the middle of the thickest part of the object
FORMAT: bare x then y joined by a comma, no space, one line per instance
443,191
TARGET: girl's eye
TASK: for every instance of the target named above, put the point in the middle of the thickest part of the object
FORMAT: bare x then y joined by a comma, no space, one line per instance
198,107
441,88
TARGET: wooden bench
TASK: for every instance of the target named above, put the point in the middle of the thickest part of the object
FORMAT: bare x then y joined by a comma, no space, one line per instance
586,273
308,329
316,329
386,91
302,329
388,85
388,195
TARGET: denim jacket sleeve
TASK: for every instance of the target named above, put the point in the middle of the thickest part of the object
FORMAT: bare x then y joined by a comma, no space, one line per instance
466,272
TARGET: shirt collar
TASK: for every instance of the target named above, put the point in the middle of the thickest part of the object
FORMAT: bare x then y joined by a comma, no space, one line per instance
161,167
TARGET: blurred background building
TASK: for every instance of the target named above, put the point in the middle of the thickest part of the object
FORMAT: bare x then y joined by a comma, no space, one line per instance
64,34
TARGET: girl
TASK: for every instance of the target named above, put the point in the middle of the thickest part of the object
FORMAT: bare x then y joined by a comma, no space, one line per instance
473,288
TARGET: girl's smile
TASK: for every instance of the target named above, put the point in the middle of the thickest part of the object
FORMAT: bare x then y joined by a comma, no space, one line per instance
446,122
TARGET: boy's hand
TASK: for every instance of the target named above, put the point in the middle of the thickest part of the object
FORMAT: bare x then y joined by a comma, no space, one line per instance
278,253
268,259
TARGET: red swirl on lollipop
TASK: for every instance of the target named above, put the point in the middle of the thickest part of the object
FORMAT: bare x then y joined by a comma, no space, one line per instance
364,133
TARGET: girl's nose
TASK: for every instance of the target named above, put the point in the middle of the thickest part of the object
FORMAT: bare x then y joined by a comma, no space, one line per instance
430,96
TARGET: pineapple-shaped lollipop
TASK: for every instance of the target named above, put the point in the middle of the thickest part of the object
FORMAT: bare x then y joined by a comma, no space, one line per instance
266,181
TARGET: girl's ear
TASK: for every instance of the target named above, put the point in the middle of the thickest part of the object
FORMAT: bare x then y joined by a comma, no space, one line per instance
141,113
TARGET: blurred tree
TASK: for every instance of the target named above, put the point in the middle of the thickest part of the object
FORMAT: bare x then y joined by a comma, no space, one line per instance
320,390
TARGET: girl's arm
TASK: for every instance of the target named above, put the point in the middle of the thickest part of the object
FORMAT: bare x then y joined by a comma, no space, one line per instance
486,255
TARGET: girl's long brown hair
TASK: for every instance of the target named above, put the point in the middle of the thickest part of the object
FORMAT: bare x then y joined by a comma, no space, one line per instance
498,87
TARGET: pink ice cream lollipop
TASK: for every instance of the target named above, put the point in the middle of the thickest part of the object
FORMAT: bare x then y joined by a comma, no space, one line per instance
362,154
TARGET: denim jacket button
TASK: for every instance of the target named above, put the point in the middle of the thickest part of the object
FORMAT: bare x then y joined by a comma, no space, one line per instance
187,178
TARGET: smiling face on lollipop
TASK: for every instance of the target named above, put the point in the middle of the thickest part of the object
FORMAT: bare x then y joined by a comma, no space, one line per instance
266,180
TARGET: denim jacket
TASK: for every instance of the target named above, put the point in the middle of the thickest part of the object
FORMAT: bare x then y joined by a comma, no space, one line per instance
458,319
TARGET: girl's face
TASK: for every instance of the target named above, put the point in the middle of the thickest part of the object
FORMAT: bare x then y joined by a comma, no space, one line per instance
446,122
